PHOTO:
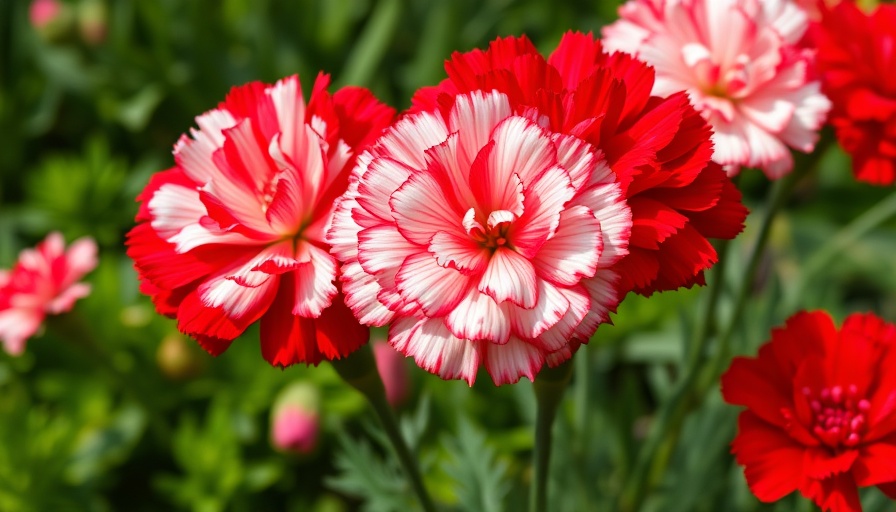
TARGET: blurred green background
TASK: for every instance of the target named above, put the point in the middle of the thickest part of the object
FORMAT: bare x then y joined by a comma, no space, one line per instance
110,409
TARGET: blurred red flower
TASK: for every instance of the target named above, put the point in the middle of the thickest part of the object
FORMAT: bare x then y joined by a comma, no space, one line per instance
43,281
856,61
821,410
234,232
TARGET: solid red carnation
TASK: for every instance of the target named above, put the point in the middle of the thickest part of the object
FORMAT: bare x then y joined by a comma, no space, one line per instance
659,148
234,232
856,61
820,410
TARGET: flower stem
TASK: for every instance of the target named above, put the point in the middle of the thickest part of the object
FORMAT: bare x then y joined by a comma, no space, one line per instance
359,371
692,385
549,387
848,235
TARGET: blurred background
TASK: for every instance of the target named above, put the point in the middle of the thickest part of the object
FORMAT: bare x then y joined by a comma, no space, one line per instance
110,409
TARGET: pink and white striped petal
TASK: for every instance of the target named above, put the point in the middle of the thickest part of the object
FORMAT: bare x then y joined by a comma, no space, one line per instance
479,317
420,209
474,116
435,288
435,349
510,277
574,251
509,362
314,284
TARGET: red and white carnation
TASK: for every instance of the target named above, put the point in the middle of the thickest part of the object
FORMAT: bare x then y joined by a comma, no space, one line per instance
43,281
234,232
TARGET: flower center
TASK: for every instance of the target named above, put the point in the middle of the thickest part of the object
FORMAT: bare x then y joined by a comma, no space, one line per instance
838,414
494,233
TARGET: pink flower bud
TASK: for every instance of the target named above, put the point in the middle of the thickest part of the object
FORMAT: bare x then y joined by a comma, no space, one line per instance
295,419
394,372
42,12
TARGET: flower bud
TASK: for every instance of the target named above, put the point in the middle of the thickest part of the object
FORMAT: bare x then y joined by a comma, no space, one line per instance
178,359
295,419
50,18
92,21
394,372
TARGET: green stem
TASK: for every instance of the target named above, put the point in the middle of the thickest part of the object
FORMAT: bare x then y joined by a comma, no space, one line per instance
359,371
371,45
847,236
549,387
667,425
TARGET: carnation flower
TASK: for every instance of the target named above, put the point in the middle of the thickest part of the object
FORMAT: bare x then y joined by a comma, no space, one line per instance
492,223
234,232
43,281
741,63
856,62
821,410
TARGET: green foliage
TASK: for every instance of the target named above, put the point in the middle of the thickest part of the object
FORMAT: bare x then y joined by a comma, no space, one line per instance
94,417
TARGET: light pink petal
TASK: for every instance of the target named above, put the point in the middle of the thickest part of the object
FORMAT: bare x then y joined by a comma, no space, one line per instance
435,288
16,326
67,297
511,361
420,209
435,349
510,276
80,258
479,317
343,233
574,251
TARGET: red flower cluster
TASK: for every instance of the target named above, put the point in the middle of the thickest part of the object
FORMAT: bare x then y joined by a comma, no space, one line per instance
821,410
234,232
659,148
856,62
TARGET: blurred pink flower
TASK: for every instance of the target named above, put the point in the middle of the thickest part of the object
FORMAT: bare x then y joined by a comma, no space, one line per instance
42,12
42,282
742,65
294,419
393,371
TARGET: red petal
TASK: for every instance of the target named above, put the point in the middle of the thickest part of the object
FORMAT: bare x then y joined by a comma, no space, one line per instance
877,463
835,494
773,462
